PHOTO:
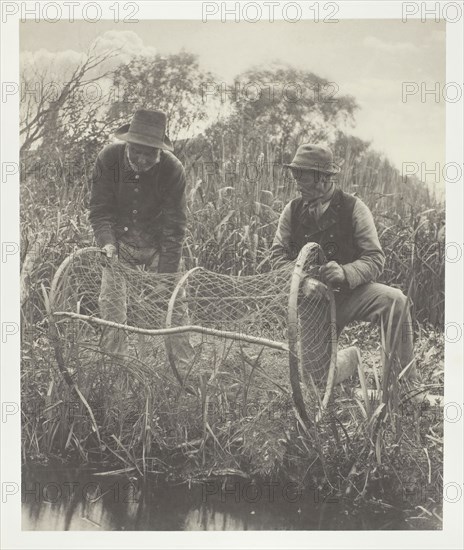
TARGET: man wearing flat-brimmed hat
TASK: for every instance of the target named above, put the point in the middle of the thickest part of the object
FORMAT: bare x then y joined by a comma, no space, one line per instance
344,227
138,215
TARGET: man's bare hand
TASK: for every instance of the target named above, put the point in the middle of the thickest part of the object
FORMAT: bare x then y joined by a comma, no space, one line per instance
311,288
332,273
110,252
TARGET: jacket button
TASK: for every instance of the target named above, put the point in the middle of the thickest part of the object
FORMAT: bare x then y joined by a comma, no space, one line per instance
137,176
136,190
134,211
126,229
331,236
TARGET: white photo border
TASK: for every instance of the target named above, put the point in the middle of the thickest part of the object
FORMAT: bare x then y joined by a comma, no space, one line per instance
13,537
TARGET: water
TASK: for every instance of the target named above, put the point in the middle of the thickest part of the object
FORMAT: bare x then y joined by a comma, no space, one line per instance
70,499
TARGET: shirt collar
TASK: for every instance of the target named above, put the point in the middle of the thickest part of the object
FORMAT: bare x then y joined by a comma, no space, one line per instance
127,159
324,199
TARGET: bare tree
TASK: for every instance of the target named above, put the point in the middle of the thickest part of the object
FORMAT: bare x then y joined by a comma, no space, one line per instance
49,102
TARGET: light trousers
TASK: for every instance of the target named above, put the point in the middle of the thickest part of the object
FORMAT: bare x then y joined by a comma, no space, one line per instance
113,307
370,302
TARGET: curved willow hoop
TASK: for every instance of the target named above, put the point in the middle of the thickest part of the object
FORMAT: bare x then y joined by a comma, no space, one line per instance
293,336
64,266
169,314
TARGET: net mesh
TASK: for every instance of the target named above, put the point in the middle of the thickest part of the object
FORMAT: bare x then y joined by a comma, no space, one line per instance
217,309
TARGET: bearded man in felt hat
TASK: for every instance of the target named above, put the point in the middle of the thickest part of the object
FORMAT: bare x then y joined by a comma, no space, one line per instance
138,215
344,227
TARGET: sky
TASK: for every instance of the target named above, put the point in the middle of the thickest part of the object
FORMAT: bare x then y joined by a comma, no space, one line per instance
373,60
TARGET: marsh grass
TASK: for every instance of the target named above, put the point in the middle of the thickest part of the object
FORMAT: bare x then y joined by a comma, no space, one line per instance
241,420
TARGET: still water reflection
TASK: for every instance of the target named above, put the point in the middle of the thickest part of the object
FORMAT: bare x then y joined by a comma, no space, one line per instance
70,499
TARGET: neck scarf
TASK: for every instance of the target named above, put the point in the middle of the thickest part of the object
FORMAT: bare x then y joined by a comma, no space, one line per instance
319,205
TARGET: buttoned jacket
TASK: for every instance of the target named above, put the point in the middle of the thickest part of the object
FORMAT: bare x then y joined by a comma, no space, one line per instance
145,209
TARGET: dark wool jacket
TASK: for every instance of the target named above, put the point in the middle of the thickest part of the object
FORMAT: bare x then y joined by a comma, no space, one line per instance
345,231
146,209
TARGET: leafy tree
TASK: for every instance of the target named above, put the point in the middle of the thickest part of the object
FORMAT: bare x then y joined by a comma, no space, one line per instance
170,83
281,107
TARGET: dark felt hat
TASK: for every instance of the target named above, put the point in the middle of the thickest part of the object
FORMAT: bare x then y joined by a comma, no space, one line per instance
314,157
146,128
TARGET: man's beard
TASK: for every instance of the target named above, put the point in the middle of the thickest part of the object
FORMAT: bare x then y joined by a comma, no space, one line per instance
142,166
